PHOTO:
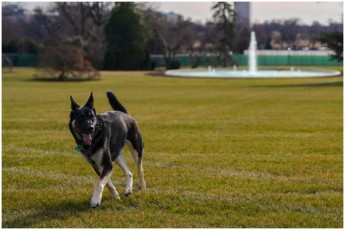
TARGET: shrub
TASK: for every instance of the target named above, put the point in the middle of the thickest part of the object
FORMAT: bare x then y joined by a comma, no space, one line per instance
62,62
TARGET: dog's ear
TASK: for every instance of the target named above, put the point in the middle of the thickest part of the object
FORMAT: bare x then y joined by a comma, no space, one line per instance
74,105
89,102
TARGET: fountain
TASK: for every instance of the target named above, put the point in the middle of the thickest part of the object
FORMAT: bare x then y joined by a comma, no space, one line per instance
252,71
252,54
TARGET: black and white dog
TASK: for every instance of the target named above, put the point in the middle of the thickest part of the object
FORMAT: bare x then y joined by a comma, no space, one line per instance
101,139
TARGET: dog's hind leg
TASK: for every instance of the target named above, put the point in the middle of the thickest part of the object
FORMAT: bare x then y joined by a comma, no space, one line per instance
139,162
120,160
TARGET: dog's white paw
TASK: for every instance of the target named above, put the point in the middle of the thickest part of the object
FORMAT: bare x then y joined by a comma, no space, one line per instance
95,201
142,185
128,192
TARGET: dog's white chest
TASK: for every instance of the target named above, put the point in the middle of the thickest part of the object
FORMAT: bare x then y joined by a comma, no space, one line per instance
96,158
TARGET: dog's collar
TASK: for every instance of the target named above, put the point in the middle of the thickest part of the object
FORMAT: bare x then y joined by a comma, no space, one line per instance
78,148
82,150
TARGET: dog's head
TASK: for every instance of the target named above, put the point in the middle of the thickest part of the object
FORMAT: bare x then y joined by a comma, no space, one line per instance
83,120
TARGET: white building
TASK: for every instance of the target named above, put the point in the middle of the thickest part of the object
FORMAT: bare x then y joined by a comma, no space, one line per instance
173,17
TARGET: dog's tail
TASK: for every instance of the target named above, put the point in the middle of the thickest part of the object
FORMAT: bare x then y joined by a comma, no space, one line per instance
115,103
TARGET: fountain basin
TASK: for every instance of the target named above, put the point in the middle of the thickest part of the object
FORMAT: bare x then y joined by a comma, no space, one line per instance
265,73
252,71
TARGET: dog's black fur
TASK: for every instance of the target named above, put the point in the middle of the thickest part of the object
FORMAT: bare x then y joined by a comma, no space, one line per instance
105,135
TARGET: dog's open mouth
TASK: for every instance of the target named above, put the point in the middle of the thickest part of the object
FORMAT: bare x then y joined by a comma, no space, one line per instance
87,139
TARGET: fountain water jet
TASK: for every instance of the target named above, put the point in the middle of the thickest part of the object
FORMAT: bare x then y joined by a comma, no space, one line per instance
252,71
252,54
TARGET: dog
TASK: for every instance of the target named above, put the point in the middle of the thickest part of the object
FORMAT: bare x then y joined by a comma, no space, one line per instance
101,139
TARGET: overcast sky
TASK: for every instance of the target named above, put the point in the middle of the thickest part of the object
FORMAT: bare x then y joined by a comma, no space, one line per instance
261,11
308,12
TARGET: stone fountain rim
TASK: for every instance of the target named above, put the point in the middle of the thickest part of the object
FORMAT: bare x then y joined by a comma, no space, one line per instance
245,73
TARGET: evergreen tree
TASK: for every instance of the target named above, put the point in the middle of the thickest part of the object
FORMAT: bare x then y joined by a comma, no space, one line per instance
126,39
224,19
334,41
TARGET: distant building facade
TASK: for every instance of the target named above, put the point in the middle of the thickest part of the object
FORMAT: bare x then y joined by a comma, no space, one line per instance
242,13
173,17
242,26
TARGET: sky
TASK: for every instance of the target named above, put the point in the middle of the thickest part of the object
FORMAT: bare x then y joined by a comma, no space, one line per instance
308,12
262,11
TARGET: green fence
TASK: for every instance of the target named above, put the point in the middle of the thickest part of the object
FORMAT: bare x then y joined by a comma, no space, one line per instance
262,60
300,60
31,60
24,60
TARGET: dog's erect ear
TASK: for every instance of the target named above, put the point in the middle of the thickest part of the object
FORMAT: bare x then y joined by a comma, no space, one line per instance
89,102
74,105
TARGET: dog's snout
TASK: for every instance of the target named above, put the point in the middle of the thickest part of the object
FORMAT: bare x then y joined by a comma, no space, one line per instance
90,128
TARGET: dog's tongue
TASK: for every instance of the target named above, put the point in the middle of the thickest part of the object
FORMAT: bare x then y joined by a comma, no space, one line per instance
87,139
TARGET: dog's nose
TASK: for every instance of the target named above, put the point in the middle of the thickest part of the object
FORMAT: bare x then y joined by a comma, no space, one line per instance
90,128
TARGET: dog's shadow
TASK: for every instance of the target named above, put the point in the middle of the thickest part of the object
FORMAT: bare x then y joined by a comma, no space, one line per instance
49,213
53,213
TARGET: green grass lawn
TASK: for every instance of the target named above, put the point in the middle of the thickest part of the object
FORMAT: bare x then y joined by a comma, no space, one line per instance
218,153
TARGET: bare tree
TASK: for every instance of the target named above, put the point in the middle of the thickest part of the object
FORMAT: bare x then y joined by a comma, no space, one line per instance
194,42
169,37
45,25
83,16
86,20
13,22
159,40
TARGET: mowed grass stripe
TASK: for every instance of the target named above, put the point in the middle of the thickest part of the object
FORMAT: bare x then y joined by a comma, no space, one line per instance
188,163
218,153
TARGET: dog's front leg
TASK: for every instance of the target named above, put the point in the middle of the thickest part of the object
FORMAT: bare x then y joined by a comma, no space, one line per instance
98,169
104,179
112,189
